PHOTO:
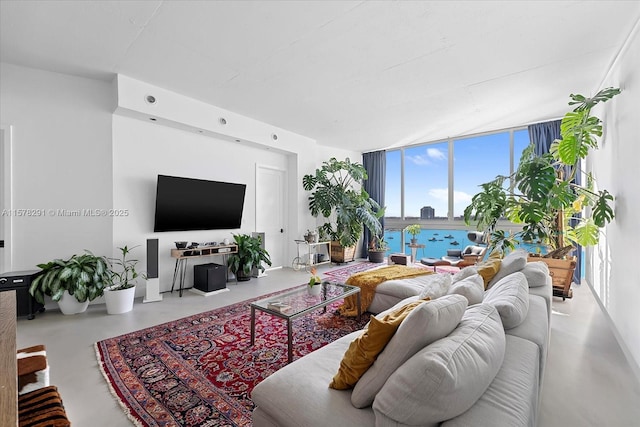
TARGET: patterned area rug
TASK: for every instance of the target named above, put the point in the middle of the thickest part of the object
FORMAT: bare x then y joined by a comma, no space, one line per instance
342,274
200,370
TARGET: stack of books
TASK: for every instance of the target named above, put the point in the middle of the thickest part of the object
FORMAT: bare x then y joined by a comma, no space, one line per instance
279,306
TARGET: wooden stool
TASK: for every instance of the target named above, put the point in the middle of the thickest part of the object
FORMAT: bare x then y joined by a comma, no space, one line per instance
42,408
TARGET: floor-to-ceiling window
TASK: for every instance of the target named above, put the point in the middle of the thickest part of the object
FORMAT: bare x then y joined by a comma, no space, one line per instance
432,183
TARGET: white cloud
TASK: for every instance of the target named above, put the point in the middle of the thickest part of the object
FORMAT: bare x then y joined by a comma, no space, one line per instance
432,154
439,193
436,154
461,197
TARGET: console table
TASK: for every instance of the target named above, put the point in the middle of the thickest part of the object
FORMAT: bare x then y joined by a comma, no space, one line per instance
182,257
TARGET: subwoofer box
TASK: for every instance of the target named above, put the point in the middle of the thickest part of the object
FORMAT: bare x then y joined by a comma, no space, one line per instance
209,277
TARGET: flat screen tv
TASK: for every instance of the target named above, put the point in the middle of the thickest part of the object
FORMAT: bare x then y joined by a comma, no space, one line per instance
196,204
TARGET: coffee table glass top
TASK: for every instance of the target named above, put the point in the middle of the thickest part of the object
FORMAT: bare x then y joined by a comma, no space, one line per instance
298,301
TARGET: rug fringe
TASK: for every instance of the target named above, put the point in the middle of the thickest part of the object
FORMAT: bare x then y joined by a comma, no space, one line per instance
124,406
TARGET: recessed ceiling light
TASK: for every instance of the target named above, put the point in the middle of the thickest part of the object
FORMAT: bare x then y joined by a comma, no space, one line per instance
222,121
274,136
153,119
150,99
237,140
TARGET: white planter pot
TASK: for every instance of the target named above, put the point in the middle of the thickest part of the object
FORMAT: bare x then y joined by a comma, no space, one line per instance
314,290
69,304
121,301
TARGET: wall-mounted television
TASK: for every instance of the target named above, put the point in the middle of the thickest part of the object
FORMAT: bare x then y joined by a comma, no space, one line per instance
195,204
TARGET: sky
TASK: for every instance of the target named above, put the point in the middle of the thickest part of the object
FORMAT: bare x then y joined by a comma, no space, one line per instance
475,160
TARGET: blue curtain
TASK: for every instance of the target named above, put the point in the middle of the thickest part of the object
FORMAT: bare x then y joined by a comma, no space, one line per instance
542,135
375,163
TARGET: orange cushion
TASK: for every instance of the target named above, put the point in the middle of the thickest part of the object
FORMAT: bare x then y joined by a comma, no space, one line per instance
364,350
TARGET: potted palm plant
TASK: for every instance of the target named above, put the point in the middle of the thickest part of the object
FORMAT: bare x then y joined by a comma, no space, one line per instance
120,295
345,208
72,283
250,255
543,195
414,230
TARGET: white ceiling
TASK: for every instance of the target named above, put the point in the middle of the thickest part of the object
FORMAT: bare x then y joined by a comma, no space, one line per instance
359,74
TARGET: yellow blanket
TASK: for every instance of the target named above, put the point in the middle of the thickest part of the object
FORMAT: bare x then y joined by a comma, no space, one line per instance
368,280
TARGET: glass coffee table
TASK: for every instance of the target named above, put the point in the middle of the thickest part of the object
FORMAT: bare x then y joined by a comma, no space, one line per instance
293,304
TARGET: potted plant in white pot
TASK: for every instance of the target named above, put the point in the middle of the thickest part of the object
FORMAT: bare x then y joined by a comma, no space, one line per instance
315,283
72,283
120,295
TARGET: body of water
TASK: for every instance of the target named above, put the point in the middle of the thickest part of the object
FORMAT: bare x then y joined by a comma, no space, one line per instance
436,242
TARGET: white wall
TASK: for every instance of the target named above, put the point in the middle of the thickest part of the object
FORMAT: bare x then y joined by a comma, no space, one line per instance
186,138
71,153
611,268
61,160
142,150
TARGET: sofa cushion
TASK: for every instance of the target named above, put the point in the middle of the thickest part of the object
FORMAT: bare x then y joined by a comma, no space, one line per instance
535,328
435,286
364,350
297,395
510,296
447,377
511,398
514,261
472,288
536,273
463,274
424,325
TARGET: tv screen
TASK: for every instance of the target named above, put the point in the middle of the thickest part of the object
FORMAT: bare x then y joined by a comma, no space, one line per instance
196,204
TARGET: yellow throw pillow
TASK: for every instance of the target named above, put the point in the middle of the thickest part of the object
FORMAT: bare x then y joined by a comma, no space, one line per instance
489,268
364,350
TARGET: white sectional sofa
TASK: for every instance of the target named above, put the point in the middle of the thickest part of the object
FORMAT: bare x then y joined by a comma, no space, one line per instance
487,371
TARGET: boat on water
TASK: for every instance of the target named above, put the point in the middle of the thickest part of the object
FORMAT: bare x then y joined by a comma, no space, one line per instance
455,242
433,239
448,236
435,234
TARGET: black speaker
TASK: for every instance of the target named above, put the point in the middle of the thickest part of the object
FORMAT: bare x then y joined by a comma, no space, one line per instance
152,258
209,277
20,281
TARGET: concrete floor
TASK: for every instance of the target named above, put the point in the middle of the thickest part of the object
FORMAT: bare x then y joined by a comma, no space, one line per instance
588,381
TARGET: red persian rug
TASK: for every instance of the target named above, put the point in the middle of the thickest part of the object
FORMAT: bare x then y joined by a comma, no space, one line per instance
342,274
200,370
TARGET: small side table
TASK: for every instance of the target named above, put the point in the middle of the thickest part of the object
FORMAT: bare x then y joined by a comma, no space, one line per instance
414,250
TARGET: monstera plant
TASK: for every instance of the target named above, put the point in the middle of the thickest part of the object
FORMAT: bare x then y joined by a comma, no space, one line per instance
542,193
347,208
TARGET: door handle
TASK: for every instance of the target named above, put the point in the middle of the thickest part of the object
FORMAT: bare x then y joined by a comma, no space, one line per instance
281,230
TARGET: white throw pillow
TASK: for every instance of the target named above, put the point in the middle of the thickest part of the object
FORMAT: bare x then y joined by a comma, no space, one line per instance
472,288
513,262
447,377
425,324
536,273
435,285
510,296
463,274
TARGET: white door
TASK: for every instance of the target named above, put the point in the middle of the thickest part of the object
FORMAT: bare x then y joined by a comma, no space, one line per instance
5,198
270,212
